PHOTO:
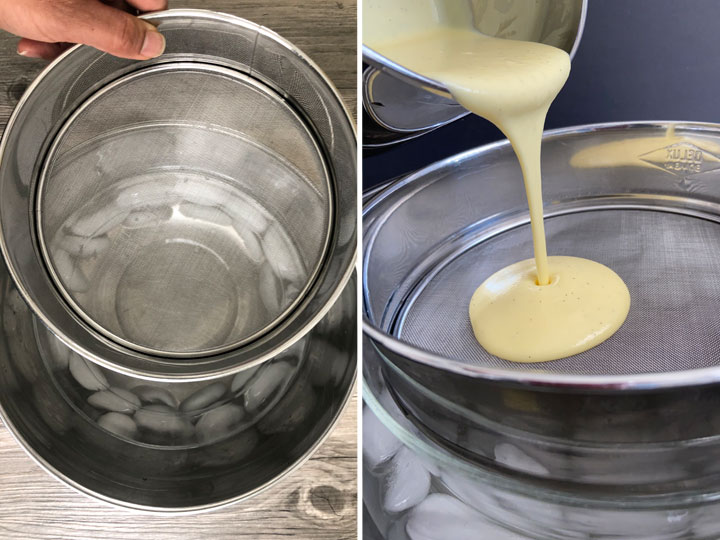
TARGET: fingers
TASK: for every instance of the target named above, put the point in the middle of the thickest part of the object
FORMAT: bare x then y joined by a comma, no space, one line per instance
149,5
114,32
40,49
83,21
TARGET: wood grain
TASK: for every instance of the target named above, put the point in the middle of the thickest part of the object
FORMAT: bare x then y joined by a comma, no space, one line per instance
319,501
325,30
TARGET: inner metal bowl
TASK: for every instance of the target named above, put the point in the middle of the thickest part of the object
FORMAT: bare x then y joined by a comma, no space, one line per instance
171,447
639,409
185,216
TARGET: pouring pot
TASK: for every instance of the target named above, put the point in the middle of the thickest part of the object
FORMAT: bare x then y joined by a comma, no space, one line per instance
399,104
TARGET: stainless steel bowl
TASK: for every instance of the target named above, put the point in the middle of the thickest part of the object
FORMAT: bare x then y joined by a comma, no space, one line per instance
638,410
400,104
181,217
171,447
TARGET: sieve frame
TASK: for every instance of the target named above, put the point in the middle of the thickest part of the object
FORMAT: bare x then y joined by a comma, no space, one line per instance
338,264
408,354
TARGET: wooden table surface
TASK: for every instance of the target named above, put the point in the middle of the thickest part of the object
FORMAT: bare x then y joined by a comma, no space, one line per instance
319,501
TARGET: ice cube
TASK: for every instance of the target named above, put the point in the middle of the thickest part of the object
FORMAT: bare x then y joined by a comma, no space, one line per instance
115,400
242,378
442,517
99,223
59,352
408,482
246,215
379,444
219,422
145,193
82,247
279,251
144,218
250,242
87,374
204,397
511,456
154,394
206,213
119,424
163,420
70,274
266,385
269,291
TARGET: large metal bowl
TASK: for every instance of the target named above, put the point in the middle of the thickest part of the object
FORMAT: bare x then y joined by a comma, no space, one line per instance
165,450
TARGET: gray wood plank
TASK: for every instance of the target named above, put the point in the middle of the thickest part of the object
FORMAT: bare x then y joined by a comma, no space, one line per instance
319,501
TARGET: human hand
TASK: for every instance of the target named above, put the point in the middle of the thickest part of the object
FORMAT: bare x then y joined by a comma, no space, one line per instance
48,27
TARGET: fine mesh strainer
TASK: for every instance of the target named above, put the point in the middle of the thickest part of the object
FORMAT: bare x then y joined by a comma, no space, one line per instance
643,199
188,214
128,218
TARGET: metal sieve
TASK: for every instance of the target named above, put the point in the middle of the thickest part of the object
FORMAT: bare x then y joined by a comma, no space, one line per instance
188,214
636,197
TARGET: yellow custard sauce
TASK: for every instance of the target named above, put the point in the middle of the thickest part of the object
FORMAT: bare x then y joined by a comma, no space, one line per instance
522,312
653,152
516,319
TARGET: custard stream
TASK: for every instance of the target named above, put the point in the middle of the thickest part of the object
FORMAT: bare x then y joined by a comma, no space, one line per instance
531,311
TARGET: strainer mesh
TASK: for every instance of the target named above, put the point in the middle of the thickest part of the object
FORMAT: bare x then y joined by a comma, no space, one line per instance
669,262
185,208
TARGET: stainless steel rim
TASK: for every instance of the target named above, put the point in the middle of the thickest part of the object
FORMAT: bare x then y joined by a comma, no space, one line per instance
408,133
558,381
379,61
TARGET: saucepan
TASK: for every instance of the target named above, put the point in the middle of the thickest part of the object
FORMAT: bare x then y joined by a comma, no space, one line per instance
399,104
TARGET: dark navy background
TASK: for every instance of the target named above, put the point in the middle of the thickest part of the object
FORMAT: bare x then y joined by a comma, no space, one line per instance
637,60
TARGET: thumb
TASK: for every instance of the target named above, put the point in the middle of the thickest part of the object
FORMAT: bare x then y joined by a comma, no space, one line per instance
115,32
